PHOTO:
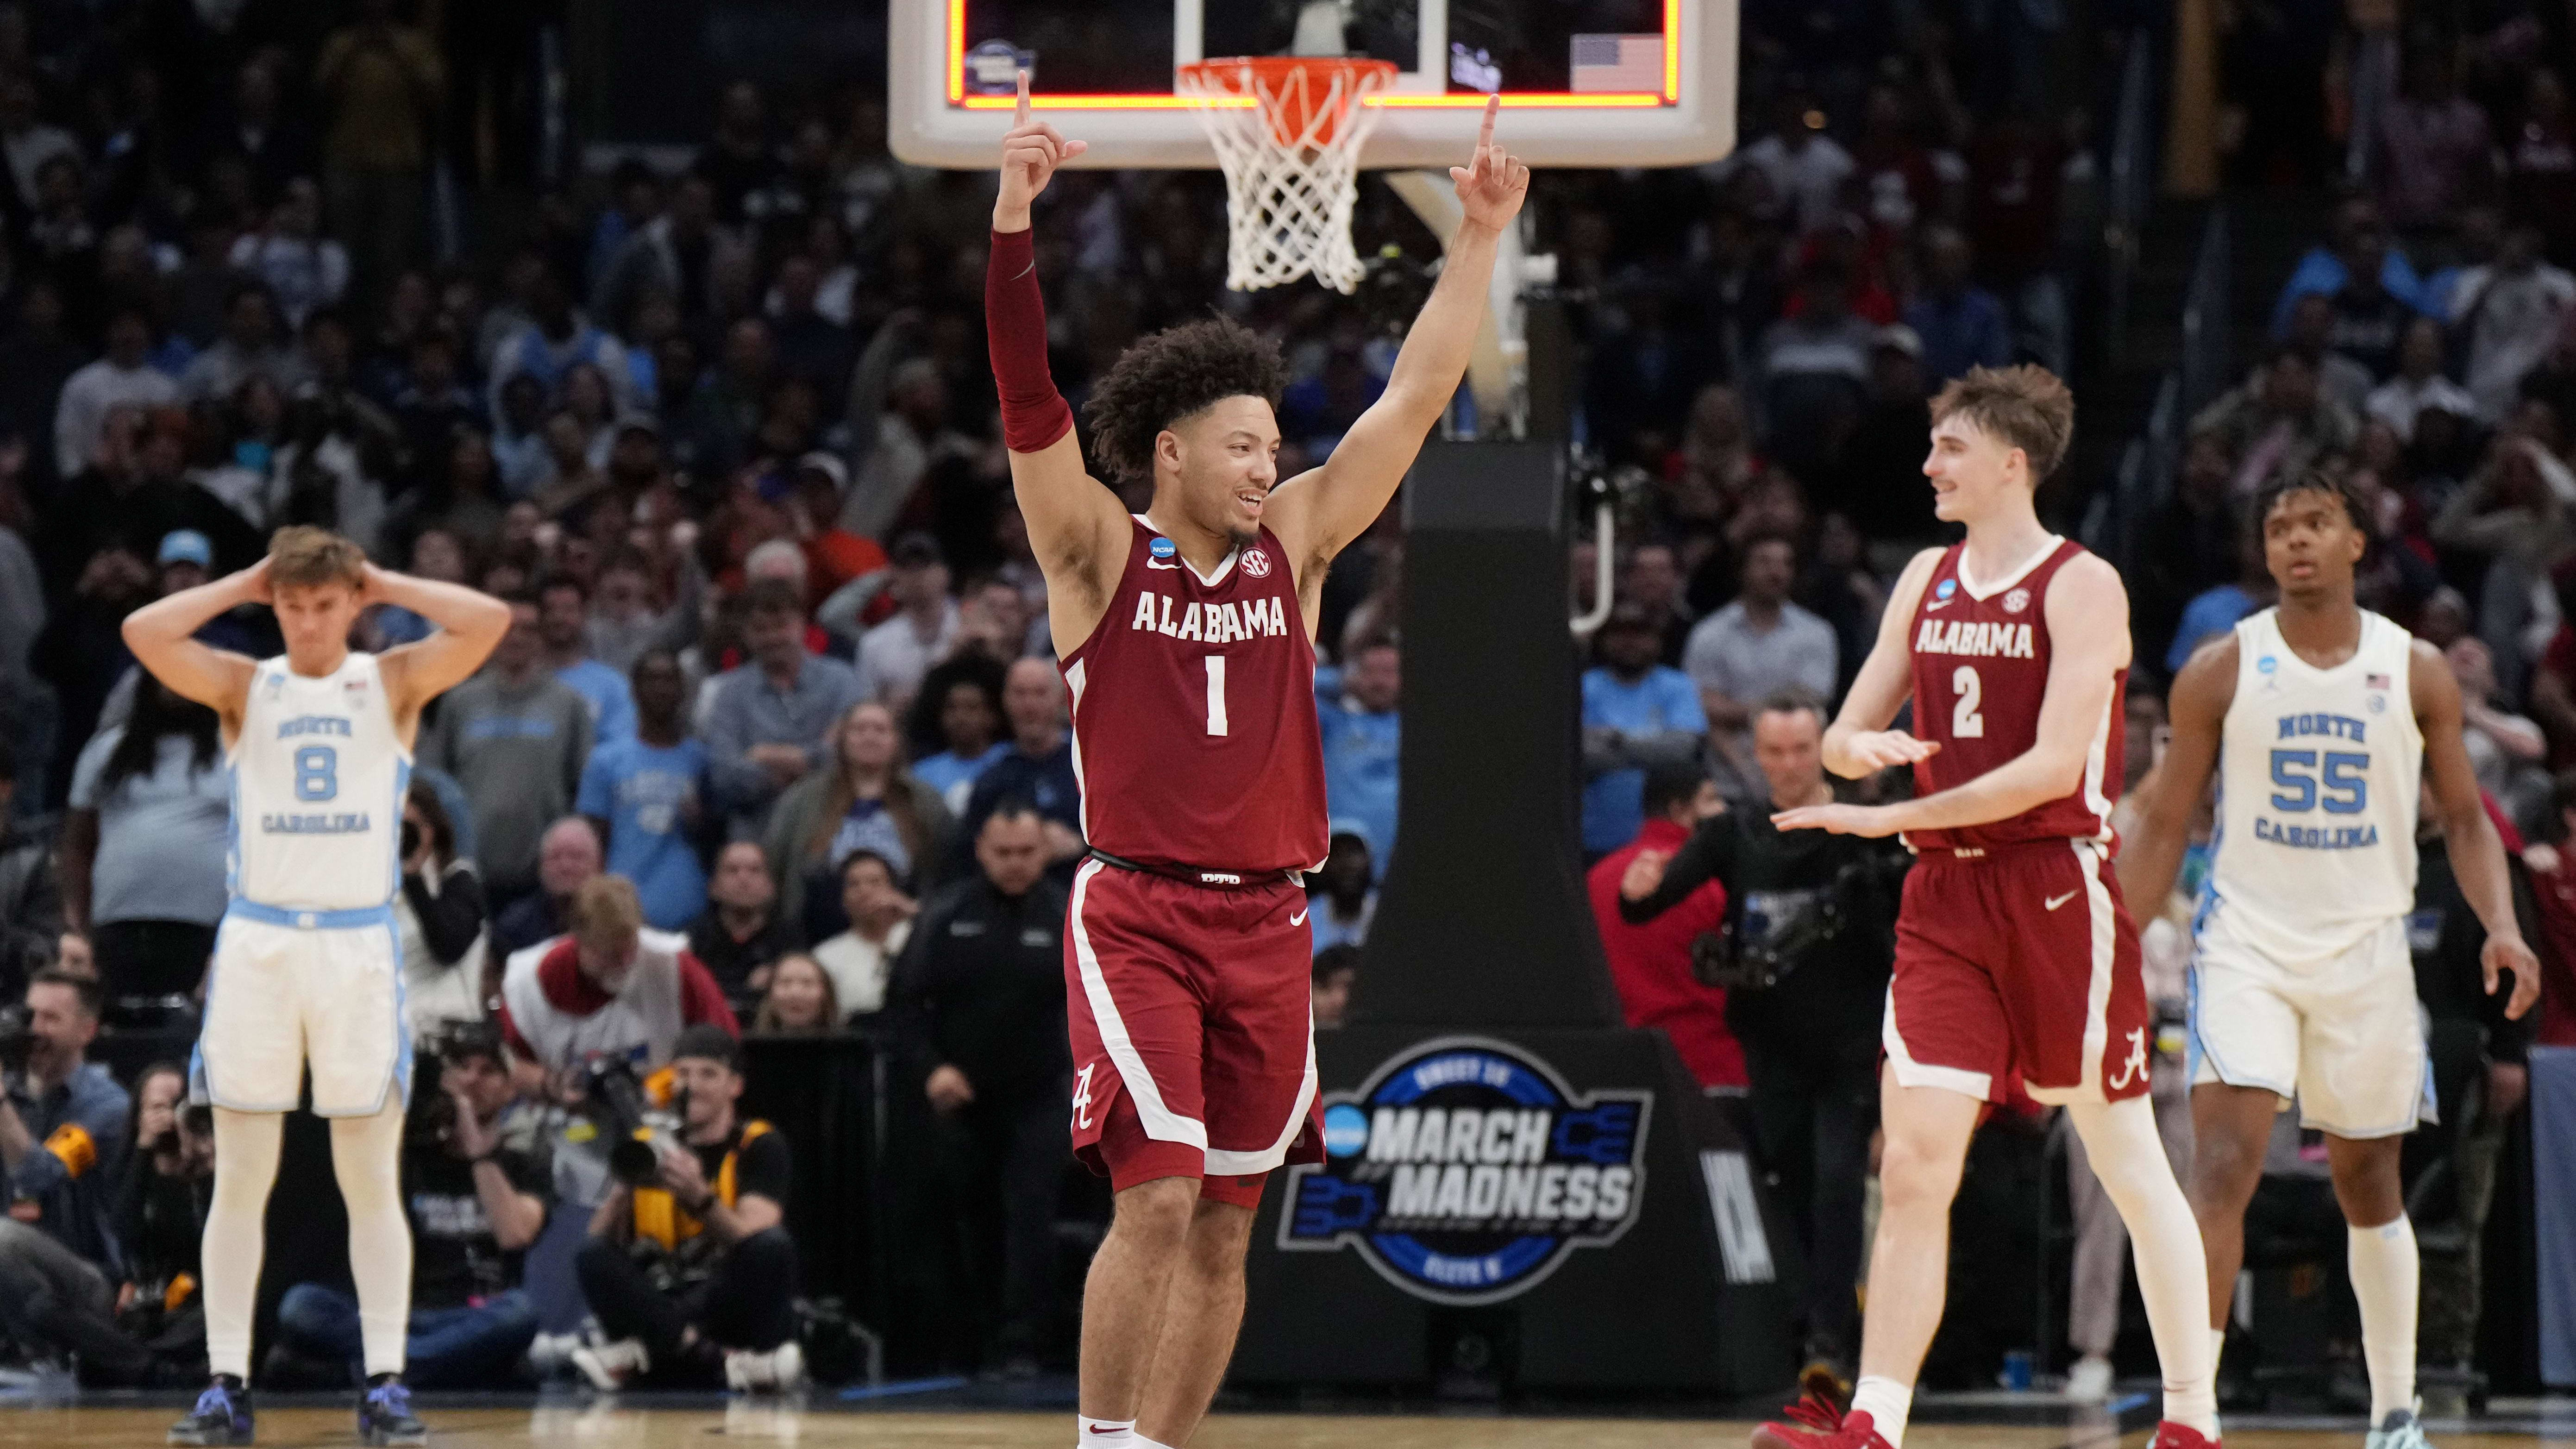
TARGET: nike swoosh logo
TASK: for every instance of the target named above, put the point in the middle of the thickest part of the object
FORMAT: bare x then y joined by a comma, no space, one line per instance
1299,919
1151,564
2053,902
1936,608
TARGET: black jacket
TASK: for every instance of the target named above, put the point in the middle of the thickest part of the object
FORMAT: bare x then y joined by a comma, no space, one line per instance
980,986
2446,939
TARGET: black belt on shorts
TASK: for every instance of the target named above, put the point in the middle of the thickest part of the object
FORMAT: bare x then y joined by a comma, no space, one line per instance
1196,875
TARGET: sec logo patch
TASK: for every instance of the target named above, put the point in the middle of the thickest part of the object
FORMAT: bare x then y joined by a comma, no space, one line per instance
2016,601
1256,564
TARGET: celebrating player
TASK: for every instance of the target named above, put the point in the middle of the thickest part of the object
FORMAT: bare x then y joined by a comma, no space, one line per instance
2321,719
1187,640
306,970
2014,956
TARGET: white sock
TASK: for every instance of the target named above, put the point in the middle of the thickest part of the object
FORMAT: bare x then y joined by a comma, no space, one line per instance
2386,1278
1104,1433
1887,1402
246,1150
2173,1271
366,1156
1144,1443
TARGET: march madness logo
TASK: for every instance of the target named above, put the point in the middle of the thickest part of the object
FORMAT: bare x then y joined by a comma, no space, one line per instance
1464,1171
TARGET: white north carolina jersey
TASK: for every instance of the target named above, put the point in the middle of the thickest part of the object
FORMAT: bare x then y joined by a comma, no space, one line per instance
318,776
2317,777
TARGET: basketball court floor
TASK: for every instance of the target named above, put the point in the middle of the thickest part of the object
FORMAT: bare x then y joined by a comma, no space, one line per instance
291,1422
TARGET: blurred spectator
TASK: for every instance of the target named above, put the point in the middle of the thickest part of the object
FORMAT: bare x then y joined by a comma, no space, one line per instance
1805,167
2506,749
1650,961
477,1187
1038,768
1363,734
2191,540
2314,327
834,556
168,1184
2419,383
1755,647
2277,422
516,738
1642,378
2540,165
1337,970
2432,153
897,653
678,254
645,795
438,921
31,906
717,1208
799,1001
27,141
1636,714
861,959
1876,480
766,723
610,987
1812,372
556,340
899,427
2214,611
380,83
2368,317
624,622
2355,231
63,1131
961,700
144,845
2519,512
739,935
122,377
2510,316
1961,324
978,1003
251,346
1653,581
568,858
1344,892
304,270
563,614
865,800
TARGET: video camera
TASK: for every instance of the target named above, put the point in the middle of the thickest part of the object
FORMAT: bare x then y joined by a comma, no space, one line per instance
638,1131
17,1038
1856,896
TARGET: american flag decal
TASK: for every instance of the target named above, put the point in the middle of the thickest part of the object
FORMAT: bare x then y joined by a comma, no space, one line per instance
2376,681
1618,63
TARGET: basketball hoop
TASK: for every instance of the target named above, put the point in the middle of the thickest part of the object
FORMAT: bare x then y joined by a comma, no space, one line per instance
1288,131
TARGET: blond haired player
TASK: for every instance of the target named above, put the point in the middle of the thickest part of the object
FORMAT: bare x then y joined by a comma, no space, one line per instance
306,971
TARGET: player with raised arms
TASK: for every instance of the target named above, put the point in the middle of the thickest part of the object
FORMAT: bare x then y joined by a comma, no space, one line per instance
1186,635
2323,723
306,970
2014,956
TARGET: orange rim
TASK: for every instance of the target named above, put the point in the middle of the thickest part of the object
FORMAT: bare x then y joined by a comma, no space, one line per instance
1290,88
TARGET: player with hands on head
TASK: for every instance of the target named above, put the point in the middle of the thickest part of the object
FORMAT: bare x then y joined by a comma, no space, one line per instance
1186,638
2322,723
306,968
2014,956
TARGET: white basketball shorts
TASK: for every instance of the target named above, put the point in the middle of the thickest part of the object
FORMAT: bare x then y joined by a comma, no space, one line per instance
281,995
2344,1035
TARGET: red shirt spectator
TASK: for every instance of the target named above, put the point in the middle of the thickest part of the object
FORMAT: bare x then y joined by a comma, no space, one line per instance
1650,964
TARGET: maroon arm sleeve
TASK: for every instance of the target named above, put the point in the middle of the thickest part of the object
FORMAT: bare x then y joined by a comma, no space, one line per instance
701,1000
1034,414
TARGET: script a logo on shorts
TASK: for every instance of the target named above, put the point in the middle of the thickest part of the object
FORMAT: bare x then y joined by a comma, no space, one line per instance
1256,564
1465,1170
2016,601
1158,554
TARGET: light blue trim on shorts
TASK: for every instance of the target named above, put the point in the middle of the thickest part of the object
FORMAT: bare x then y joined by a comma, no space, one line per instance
357,919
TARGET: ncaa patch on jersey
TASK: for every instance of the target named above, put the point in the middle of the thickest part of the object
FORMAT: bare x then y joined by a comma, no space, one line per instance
1464,1170
1162,548
1256,564
1946,589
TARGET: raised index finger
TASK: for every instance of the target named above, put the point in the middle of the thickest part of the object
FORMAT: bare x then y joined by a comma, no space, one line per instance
1022,117
1485,133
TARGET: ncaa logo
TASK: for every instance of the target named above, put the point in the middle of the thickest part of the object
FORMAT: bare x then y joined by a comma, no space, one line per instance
1465,1170
2016,601
1162,547
1256,564
1947,588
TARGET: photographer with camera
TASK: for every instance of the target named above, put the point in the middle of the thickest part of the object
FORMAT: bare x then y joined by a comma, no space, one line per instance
1804,953
476,1175
689,1267
610,987
161,1224
63,1124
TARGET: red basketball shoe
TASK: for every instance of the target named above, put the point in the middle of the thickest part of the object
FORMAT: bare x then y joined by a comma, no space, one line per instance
2170,1435
1814,1424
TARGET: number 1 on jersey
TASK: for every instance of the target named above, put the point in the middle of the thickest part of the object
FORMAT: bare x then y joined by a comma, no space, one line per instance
1965,722
1216,694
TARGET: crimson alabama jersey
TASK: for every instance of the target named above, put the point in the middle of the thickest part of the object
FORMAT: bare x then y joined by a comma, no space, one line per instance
1980,671
1194,731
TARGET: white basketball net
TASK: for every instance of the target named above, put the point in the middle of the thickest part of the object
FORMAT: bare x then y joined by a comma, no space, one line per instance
1291,162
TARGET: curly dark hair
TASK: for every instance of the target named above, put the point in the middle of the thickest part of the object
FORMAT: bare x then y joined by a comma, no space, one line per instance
1168,375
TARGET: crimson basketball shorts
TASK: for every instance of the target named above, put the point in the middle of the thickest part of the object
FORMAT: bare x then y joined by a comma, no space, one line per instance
2019,962
1192,1030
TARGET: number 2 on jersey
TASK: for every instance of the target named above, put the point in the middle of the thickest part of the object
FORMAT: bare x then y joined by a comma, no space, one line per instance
1965,722
1216,694
317,773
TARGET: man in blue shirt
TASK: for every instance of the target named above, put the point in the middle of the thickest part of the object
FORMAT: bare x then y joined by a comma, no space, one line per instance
1361,731
63,1129
563,621
1038,768
646,795
1962,325
1636,713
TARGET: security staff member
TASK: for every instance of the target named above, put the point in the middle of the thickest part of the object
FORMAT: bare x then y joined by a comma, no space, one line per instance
1808,1020
977,1008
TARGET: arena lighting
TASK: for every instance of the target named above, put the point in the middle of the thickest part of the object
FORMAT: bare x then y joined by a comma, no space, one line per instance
1144,101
